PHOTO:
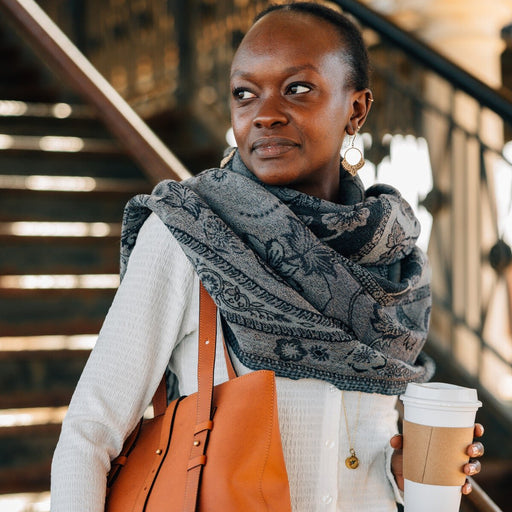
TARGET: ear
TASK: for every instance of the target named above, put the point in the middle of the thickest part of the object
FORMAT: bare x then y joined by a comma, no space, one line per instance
361,104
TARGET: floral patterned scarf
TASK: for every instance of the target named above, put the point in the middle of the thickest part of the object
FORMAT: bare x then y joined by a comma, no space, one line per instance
306,287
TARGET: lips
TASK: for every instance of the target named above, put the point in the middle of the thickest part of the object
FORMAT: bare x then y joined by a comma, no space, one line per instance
270,147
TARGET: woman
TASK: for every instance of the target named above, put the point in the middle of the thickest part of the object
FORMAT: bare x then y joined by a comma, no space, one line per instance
314,278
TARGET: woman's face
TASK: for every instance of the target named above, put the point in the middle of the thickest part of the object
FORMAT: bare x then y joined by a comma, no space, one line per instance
290,105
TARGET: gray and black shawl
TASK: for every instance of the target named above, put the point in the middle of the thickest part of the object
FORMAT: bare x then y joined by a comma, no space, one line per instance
306,287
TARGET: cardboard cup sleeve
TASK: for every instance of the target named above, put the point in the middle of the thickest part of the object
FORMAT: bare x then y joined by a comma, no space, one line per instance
435,455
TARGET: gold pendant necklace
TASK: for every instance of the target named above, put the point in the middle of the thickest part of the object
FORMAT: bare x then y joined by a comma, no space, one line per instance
352,462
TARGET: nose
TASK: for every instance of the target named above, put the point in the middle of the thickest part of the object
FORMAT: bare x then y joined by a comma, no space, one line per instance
270,113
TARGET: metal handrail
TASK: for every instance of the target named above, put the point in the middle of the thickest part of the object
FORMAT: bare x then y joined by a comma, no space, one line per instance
155,159
497,100
478,500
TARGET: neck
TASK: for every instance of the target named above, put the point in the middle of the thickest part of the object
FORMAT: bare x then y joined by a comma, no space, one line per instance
324,190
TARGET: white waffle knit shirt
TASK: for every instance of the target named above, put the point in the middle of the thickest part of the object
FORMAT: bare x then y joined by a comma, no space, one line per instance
153,322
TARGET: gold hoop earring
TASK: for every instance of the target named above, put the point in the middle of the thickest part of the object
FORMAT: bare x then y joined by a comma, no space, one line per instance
352,168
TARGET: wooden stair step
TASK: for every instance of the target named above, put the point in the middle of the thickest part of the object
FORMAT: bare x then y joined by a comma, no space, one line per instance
10,346
87,128
66,164
70,206
37,127
26,450
47,398
58,144
41,371
54,254
27,312
75,184
15,109
16,112
26,501
35,381
32,475
24,230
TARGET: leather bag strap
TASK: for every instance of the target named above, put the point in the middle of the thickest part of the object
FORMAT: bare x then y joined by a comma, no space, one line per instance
205,375
229,363
160,397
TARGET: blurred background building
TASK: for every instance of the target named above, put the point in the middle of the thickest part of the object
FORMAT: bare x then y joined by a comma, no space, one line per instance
94,96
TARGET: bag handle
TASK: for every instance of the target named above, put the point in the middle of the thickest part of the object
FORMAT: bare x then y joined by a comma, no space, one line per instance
205,377
206,356
206,305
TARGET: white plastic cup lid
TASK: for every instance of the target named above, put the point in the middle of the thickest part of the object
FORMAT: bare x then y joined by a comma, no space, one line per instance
441,392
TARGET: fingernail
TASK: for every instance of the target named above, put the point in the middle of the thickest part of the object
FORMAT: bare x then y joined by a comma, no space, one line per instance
477,450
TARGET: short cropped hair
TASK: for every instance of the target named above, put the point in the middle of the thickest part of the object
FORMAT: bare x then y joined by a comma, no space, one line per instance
356,54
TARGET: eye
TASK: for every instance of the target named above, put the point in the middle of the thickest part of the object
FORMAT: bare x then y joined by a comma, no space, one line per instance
242,94
298,89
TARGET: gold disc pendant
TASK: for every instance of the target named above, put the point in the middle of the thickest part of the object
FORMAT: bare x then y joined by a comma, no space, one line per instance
352,462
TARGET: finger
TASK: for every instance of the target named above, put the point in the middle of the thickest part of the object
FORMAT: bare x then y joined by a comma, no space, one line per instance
475,450
472,467
396,442
467,488
479,430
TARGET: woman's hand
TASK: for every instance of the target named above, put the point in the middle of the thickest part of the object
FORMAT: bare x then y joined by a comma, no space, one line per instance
474,451
397,460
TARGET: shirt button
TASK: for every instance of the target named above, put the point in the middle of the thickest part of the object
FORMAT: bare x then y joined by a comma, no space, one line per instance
329,444
327,499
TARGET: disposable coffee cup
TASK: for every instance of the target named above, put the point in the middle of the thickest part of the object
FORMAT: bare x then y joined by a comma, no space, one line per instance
438,427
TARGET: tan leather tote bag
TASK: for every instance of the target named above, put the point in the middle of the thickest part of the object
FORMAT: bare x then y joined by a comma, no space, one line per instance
218,450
